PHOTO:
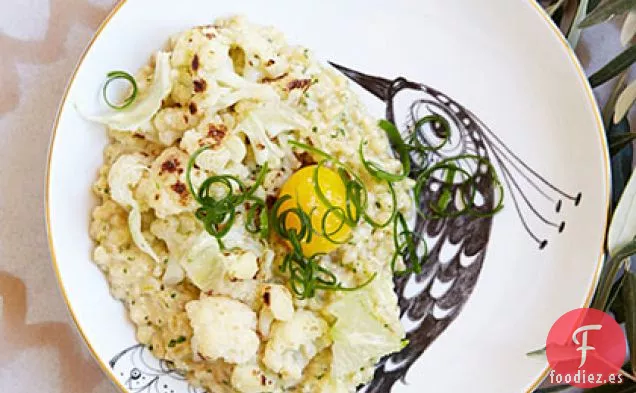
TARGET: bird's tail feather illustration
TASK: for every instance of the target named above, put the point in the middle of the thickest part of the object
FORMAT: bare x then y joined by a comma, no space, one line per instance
537,201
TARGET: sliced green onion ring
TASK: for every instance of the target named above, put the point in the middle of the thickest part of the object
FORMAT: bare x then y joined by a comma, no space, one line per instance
218,213
113,76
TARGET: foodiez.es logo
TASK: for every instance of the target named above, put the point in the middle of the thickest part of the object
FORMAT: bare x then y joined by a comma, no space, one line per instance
585,348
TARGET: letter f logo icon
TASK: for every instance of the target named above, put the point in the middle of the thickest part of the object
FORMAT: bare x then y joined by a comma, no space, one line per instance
583,344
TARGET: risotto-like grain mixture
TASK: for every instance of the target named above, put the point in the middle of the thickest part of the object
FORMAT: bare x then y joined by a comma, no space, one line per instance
227,317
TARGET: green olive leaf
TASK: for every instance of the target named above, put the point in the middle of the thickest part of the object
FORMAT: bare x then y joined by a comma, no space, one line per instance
618,142
537,353
592,5
619,64
622,153
622,229
574,35
610,272
625,102
606,10
610,105
629,28
628,295
553,8
618,306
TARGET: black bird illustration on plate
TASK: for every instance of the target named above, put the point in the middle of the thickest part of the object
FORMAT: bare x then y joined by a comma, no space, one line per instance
140,372
456,244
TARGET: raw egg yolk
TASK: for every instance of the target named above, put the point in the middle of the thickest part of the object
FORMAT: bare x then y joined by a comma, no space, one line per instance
302,190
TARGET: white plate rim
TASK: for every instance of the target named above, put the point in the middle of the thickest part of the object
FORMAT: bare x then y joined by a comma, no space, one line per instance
116,8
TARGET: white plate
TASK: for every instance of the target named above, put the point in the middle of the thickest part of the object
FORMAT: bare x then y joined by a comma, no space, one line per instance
504,61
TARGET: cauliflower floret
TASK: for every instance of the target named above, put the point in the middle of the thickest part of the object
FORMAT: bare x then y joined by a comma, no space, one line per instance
278,299
245,291
265,320
185,46
243,267
250,378
223,328
227,153
294,343
176,231
165,189
170,123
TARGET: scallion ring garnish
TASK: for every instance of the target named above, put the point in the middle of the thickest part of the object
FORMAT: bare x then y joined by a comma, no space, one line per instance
220,195
116,75
398,144
415,144
306,274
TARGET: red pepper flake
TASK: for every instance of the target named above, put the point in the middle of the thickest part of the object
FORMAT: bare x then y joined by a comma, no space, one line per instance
170,166
270,201
270,62
195,62
298,84
266,297
209,36
193,108
260,146
179,188
305,159
199,85
138,135
217,132
186,118
156,197
263,380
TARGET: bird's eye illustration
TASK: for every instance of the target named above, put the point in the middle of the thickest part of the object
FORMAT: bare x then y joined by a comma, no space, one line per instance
135,374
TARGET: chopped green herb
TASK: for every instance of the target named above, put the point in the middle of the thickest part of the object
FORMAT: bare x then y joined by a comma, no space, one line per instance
176,341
